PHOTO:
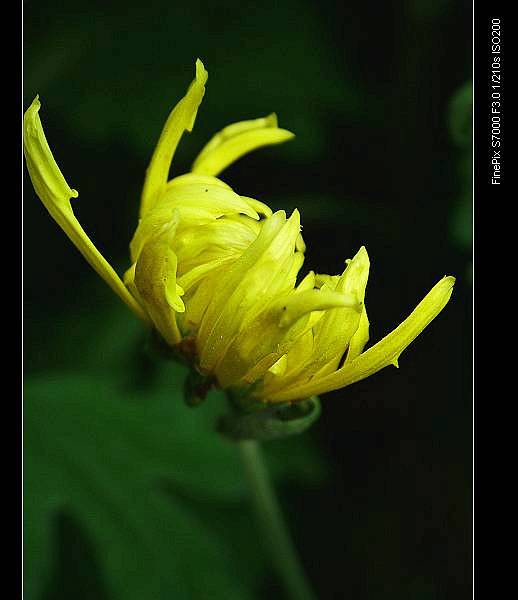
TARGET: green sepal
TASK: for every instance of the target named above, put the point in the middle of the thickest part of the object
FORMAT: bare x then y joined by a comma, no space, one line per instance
271,422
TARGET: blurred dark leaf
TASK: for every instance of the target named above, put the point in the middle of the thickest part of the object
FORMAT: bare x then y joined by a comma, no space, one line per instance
460,118
131,63
157,493
460,115
424,10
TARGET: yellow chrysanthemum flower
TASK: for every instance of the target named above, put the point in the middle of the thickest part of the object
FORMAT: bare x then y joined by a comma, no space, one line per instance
216,273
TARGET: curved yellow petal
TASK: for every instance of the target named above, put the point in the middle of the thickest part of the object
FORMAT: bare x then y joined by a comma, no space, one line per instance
236,140
259,207
274,332
190,204
181,119
196,274
337,328
213,199
310,300
386,352
360,337
155,280
257,276
54,192
192,178
361,273
331,334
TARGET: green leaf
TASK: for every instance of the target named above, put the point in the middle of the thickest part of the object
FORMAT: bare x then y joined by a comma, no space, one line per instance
460,116
158,493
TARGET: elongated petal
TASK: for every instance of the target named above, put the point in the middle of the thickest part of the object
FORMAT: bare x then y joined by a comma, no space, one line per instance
54,192
235,141
222,238
273,332
259,207
193,179
386,352
360,337
254,279
214,199
155,280
189,204
333,332
181,119
310,300
351,335
195,275
336,328
197,303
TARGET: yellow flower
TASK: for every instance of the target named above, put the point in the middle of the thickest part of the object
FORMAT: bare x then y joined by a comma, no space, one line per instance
216,273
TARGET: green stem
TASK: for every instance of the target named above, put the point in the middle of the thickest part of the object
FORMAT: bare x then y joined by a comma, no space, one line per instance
278,540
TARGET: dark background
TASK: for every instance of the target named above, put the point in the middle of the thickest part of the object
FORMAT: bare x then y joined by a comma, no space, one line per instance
129,494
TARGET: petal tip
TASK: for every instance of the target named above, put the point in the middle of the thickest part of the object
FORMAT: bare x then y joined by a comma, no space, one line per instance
271,120
446,286
450,280
35,104
362,255
201,71
285,135
31,115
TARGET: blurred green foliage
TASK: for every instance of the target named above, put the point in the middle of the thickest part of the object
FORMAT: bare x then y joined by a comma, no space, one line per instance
460,117
133,56
154,490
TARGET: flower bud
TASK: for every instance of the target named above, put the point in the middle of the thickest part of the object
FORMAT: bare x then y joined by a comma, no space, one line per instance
217,274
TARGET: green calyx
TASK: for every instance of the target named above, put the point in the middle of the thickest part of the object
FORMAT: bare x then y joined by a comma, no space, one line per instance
269,422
